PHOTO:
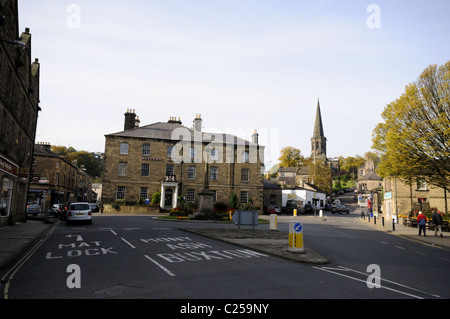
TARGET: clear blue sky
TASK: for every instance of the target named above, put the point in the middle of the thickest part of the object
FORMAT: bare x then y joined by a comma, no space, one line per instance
242,64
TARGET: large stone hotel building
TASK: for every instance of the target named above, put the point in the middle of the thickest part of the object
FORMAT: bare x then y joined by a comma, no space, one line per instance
177,161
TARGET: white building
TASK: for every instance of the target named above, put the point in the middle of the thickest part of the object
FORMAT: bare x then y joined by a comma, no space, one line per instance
304,196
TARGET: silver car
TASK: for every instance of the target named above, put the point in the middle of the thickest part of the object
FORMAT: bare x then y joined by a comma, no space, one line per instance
79,212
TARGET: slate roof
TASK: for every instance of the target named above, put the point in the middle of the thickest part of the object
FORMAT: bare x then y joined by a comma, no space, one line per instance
370,177
164,131
43,150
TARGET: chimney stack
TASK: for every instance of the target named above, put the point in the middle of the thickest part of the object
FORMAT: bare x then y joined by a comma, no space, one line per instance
174,120
130,120
255,137
137,122
198,123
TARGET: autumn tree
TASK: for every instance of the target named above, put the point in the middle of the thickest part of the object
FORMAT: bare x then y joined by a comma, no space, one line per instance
320,176
92,162
291,157
413,140
351,164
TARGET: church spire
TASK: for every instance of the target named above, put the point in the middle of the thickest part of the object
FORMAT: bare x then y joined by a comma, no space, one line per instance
318,127
318,141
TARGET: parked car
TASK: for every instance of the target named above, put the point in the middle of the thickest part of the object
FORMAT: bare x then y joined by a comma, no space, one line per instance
79,212
273,210
94,207
57,209
291,205
33,209
340,209
63,215
308,209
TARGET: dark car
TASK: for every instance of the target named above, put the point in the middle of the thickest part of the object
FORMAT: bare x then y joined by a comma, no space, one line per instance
339,209
291,205
57,209
63,214
308,209
94,207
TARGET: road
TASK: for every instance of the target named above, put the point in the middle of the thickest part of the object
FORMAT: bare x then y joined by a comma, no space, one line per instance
141,257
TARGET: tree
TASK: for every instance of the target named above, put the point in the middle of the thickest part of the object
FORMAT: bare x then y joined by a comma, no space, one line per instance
351,164
92,162
291,157
414,139
320,176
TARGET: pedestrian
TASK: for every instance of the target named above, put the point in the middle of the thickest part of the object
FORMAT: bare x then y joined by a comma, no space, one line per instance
437,221
421,221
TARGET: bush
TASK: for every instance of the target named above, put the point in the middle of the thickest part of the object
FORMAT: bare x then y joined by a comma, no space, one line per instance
115,205
156,198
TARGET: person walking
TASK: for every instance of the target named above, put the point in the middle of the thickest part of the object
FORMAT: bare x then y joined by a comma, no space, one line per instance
437,221
422,221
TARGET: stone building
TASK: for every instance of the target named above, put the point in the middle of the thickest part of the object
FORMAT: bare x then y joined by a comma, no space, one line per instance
402,198
368,180
56,180
170,158
19,107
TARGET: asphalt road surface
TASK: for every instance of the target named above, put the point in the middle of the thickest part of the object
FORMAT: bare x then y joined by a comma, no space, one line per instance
143,258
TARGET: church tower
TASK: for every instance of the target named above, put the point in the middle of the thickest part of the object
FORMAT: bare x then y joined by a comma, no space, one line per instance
319,141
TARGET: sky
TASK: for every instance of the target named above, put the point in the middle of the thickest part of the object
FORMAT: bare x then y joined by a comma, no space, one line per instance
241,64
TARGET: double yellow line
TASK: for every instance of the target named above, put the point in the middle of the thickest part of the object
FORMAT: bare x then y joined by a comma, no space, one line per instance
6,279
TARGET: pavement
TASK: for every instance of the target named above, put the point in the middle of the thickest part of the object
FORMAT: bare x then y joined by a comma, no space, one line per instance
16,240
411,233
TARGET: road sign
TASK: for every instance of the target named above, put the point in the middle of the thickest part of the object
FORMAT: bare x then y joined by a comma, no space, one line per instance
296,237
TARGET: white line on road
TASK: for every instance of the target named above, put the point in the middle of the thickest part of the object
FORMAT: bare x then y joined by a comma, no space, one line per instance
129,244
160,266
112,231
364,281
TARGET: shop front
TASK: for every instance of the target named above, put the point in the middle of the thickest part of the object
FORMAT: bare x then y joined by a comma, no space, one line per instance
9,174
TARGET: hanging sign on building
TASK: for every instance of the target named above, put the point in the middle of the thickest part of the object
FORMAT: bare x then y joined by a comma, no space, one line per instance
8,167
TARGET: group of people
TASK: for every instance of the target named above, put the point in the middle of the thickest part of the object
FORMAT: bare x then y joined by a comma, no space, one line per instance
436,219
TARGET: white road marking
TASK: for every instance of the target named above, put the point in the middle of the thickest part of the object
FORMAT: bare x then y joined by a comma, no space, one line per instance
161,266
129,244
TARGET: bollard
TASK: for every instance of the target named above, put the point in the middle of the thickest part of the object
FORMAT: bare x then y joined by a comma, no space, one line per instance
374,220
296,238
382,221
295,212
321,213
393,224
273,222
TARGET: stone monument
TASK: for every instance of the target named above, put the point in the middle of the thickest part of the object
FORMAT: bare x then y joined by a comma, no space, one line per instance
206,203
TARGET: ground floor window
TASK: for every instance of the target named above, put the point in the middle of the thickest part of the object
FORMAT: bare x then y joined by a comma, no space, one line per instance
190,196
120,192
244,197
143,195
5,199
273,199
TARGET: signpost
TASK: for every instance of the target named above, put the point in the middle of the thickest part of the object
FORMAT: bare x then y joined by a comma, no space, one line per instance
296,237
